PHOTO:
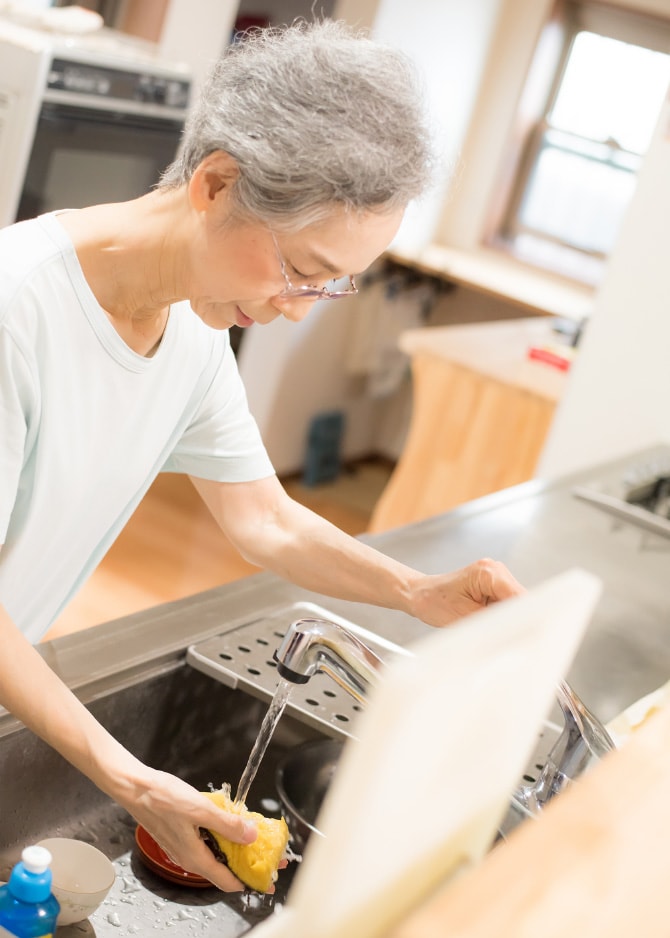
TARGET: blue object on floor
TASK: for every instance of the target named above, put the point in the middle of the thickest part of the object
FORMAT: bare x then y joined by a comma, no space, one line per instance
324,440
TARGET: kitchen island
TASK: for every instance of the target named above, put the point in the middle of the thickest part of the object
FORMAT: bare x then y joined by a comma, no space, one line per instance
481,412
537,529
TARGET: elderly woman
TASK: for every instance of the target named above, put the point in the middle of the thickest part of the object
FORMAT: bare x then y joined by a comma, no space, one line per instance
295,169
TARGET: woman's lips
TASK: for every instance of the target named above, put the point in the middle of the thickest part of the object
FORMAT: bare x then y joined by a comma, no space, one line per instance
242,319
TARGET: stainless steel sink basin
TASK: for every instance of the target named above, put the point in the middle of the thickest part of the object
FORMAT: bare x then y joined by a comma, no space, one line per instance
174,716
180,721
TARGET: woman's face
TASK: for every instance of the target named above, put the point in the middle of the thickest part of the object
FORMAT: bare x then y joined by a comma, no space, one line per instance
235,271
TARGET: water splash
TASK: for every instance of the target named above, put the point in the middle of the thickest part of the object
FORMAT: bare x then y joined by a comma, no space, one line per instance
270,721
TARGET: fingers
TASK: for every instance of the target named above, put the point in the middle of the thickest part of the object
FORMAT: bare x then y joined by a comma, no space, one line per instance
214,870
231,826
492,581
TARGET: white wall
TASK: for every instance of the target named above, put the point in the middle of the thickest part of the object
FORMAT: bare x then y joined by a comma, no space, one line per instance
618,398
294,371
464,214
197,33
449,42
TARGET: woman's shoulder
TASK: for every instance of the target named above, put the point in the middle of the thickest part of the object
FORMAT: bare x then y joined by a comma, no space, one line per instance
25,248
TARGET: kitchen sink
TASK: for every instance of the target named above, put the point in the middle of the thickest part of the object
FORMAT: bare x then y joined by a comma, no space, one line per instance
197,717
179,721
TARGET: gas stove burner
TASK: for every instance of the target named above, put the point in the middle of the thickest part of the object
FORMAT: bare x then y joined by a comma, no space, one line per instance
641,495
653,497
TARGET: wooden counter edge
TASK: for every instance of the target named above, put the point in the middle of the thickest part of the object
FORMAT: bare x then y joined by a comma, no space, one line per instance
595,865
499,275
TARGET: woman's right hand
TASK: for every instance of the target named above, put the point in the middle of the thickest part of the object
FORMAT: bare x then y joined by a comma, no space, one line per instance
173,813
171,810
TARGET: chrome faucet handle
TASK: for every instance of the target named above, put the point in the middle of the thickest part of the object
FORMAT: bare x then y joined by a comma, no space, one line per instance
312,645
582,742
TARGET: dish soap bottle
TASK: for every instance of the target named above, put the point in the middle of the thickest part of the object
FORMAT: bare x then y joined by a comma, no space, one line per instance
27,907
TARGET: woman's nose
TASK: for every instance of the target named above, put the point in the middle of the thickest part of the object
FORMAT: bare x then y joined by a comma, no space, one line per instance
293,308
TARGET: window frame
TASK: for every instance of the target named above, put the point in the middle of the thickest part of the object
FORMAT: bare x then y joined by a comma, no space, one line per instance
543,81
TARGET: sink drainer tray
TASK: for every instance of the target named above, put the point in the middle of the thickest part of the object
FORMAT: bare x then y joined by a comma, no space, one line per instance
242,658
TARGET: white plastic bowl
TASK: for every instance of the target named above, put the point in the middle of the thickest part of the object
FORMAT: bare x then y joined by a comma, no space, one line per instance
82,877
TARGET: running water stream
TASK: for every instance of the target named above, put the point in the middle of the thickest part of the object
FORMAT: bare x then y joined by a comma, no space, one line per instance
270,721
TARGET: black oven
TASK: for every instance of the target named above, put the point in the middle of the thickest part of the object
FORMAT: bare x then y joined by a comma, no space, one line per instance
102,135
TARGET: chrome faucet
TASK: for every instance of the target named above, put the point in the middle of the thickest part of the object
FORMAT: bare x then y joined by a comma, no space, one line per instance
583,741
312,645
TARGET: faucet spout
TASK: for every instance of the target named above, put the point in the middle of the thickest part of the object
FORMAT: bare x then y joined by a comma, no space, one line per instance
312,645
583,741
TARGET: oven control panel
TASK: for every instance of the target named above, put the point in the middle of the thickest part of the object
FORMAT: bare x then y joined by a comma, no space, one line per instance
118,84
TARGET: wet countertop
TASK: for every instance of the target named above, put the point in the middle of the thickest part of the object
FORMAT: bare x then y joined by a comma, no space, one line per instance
537,529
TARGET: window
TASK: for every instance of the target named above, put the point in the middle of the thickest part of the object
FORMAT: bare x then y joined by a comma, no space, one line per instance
594,116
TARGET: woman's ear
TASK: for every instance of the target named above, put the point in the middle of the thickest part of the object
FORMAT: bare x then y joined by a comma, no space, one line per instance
213,178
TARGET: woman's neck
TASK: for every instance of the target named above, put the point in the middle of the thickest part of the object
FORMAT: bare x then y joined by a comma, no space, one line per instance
131,260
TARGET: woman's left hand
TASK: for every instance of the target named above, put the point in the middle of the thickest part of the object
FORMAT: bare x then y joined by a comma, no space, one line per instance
443,598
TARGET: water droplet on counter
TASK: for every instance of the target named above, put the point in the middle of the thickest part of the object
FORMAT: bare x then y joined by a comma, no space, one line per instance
130,884
113,919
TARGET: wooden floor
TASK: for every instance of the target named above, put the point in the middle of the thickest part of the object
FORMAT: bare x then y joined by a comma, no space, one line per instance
172,548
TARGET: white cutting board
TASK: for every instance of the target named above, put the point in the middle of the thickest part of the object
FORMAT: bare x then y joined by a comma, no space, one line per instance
442,744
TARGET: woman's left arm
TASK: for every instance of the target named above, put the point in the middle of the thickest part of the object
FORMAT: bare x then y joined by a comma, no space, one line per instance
275,532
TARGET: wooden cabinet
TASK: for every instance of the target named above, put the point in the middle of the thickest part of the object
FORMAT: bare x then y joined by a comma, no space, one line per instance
481,413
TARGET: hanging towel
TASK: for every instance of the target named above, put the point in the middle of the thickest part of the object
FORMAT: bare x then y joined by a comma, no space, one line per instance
385,309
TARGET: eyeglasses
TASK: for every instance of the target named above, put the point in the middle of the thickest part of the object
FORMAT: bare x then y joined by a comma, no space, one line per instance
303,293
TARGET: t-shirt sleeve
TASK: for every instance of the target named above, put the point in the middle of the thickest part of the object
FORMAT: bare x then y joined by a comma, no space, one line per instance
222,442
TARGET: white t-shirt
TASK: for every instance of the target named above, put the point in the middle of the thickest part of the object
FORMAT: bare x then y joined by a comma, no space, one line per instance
86,423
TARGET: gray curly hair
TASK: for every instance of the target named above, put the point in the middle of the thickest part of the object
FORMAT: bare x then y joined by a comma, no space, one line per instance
315,115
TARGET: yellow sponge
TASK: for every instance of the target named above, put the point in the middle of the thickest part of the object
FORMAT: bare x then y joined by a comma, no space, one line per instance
254,864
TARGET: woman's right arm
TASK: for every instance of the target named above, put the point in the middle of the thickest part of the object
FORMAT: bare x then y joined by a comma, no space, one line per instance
171,810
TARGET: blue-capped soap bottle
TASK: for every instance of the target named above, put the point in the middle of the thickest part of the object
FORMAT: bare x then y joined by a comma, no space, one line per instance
27,907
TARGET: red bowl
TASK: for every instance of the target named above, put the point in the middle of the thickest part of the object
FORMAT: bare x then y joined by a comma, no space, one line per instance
160,863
